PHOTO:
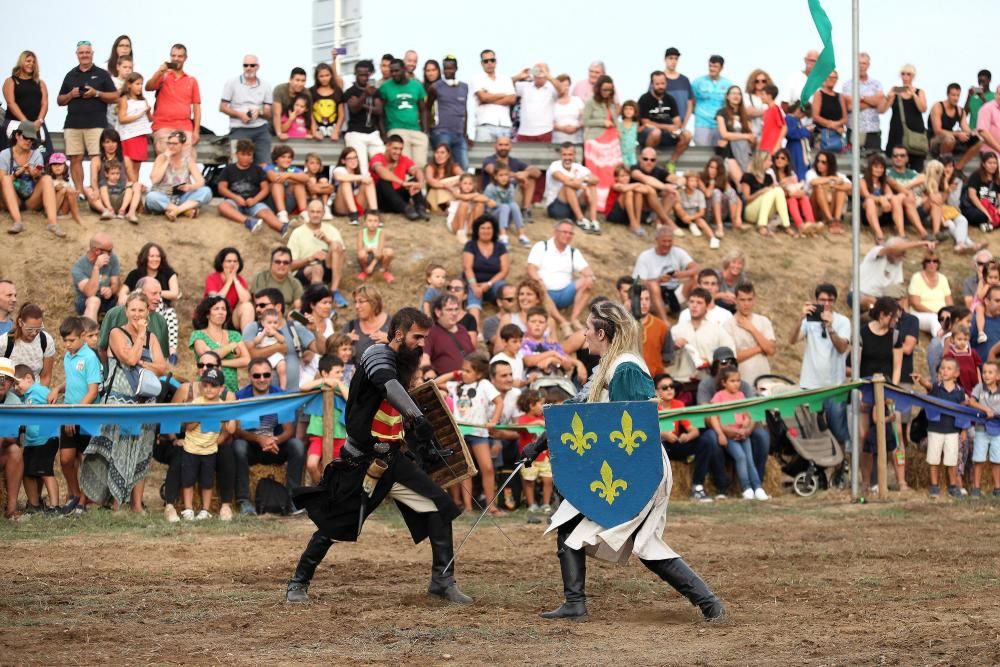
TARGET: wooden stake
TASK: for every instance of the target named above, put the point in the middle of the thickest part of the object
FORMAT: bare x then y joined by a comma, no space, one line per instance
327,426
878,387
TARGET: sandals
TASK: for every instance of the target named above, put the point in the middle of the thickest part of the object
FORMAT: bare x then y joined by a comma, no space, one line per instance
16,228
56,231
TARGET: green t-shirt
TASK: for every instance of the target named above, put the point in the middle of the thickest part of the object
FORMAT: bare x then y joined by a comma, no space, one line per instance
401,108
290,287
975,104
116,317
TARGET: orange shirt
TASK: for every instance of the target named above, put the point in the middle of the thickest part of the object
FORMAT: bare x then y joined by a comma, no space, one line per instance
174,97
654,336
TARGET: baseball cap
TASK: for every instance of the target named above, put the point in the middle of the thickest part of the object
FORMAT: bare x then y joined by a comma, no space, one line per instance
213,376
27,129
57,158
722,353
7,368
672,51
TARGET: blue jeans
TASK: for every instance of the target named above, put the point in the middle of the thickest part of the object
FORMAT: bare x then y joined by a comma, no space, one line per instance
507,214
760,443
261,138
490,133
836,419
741,452
157,202
456,142
473,301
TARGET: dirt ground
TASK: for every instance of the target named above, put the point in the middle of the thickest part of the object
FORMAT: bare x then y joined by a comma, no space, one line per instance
818,582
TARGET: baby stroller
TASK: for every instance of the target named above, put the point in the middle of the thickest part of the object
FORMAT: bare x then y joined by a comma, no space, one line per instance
806,449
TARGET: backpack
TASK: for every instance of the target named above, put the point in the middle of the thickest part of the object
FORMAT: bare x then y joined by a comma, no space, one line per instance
43,341
272,497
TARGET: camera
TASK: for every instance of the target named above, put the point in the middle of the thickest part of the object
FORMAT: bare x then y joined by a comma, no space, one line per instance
173,65
817,314
83,90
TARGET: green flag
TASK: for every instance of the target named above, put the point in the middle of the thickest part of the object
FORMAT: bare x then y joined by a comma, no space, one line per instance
825,63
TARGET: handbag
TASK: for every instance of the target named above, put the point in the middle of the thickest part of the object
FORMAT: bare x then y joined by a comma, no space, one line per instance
831,140
914,141
143,382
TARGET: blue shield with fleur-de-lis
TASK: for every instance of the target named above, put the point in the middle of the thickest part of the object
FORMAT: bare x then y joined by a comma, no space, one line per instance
606,457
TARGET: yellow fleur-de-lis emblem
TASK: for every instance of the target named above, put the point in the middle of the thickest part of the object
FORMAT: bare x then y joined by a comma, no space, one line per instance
626,438
578,441
608,487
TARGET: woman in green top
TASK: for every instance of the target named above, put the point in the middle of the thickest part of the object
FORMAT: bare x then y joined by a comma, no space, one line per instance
214,331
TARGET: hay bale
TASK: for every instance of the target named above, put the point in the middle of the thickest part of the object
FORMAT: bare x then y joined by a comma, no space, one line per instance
682,479
257,473
918,472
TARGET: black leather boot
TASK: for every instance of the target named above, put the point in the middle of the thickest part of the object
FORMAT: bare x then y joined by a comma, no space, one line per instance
686,581
442,553
573,563
298,586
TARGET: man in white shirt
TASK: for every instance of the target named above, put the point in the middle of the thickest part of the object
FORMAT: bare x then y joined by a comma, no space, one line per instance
494,97
883,266
568,186
669,272
753,334
794,83
538,94
554,263
698,336
708,280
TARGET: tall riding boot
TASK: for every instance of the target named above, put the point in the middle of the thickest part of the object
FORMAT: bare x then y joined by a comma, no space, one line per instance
298,586
676,572
442,553
573,563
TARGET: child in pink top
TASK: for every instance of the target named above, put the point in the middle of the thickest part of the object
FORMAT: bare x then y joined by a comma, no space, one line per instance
735,437
297,123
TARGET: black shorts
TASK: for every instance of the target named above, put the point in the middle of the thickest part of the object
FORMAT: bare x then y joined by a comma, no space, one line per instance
617,214
197,468
77,441
38,459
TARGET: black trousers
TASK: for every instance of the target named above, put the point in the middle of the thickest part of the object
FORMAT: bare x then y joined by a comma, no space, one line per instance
392,200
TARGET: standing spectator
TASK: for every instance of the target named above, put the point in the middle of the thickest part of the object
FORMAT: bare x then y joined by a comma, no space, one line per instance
24,183
600,111
657,343
824,363
736,137
678,85
797,81
830,114
669,272
538,97
773,125
526,176
555,263
494,96
201,449
399,182
584,88
327,103
298,347
978,95
983,205
405,103
432,74
409,62
942,433
448,342
988,126
317,250
133,118
178,100
567,113
799,138
246,99
370,324
948,128
29,344
365,115
214,330
178,186
284,95
709,94
157,325
736,437
245,187
568,187
271,443
908,106
11,451
699,336
96,277
871,99
660,121
8,302
451,98
27,99
929,292
227,282
121,48
279,276
86,92
754,101
753,335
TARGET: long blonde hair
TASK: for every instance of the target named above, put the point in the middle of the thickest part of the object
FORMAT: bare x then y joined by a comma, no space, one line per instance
757,165
622,332
16,72
933,176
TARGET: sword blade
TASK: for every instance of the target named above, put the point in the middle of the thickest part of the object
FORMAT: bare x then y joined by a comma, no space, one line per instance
517,469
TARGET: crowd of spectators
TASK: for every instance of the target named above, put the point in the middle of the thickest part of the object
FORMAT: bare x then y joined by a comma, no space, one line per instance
499,346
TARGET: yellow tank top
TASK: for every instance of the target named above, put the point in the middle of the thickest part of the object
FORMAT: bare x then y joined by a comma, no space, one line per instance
197,441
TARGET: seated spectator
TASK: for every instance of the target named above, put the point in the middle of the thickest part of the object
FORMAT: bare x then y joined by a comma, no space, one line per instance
567,113
404,103
468,205
286,179
657,343
541,355
244,187
982,207
908,104
929,292
625,200
690,209
370,324
318,186
365,117
11,451
530,293
111,151
214,330
660,119
399,182
991,326
436,279
970,284
246,99
271,443
450,97
283,96
502,379
318,253
708,280
8,302
466,316
830,115
753,335
441,175
503,194
828,189
507,309
662,192
96,277
227,282
448,342
949,130
737,141
527,177
736,437
279,276
28,344
485,264
555,263
269,336
23,181
178,186
881,204
355,188
317,307
952,191
669,272
373,253
764,197
116,196
157,323
796,198
718,190
511,337
910,184
568,187
66,195
537,93
883,266
699,337
298,347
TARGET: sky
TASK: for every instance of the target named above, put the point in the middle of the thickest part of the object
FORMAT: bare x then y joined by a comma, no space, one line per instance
566,36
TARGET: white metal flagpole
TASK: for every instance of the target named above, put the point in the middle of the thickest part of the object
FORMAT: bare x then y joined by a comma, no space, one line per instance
855,254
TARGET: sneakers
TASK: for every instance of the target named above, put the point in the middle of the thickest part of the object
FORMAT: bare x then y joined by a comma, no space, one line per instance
55,230
504,240
253,224
986,228
524,240
247,509
352,219
678,232
187,515
546,509
225,512
283,217
954,491
387,275
996,493
982,337
976,493
760,494
327,214
584,224
339,299
595,227
698,493
108,214
714,243
934,491
304,217
362,276
170,514
71,504
527,215
695,232
641,233
748,494
202,515
533,508
285,228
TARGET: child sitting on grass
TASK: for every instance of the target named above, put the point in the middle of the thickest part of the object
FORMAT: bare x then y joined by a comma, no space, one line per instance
690,208
531,402
39,451
502,191
372,251
319,186
942,435
66,201
331,374
200,448
116,195
467,205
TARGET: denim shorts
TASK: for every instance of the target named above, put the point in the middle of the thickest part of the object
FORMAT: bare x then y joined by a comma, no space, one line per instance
984,444
563,298
559,209
249,211
666,138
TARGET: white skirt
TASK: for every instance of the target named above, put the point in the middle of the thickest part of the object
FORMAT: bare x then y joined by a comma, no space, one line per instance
641,535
